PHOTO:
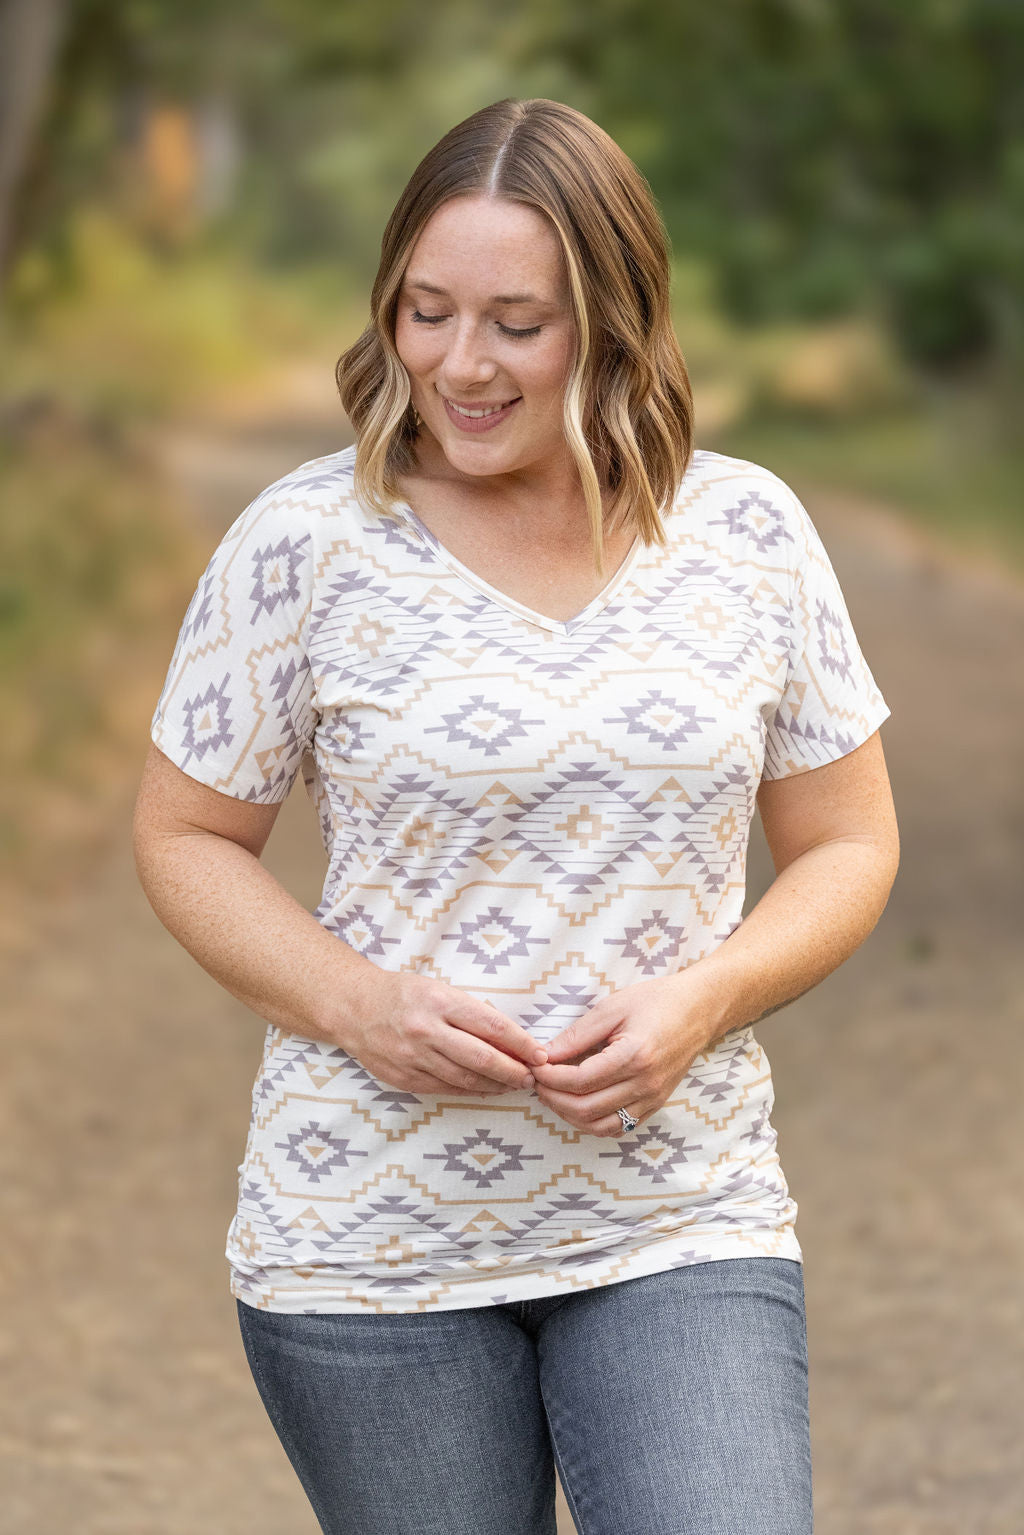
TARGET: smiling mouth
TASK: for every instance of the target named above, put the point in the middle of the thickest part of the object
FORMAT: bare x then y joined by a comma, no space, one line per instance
478,412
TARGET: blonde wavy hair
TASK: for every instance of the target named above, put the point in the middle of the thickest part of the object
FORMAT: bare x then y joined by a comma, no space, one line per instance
628,406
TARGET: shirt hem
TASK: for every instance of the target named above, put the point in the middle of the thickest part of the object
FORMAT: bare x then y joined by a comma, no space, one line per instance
293,1293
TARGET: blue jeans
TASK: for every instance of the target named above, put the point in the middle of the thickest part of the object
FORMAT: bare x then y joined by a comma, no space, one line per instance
675,1404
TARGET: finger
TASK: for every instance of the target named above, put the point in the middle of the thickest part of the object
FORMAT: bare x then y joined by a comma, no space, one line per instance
603,1070
426,1084
594,1105
449,1078
601,1124
611,1125
468,1061
485,1021
582,1034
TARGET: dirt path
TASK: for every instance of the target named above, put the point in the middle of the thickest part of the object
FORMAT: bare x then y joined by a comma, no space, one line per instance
128,1408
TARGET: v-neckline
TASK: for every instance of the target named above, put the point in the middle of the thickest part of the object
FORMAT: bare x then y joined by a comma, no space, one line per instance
512,604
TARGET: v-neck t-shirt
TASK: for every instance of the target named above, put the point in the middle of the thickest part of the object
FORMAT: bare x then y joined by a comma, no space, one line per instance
539,812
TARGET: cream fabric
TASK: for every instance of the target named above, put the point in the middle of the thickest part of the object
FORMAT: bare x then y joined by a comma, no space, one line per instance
539,812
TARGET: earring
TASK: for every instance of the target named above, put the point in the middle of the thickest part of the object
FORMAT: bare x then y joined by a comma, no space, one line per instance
417,419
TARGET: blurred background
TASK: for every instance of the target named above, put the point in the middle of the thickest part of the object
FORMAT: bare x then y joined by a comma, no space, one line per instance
191,201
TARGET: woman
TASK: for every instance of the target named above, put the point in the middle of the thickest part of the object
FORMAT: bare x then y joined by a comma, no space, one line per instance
510,1196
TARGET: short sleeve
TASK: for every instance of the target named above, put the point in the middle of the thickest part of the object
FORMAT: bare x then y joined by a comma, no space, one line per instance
830,703
237,710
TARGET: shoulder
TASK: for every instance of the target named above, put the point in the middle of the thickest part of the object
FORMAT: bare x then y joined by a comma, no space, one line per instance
301,500
269,560
735,503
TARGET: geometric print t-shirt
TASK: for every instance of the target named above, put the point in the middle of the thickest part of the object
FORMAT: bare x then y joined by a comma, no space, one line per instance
538,812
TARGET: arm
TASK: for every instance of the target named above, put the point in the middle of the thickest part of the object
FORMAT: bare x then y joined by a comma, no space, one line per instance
833,839
834,842
197,852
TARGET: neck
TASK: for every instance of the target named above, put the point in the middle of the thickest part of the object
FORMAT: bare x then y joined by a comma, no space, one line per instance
535,494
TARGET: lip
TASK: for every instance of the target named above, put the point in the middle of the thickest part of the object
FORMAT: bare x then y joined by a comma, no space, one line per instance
477,423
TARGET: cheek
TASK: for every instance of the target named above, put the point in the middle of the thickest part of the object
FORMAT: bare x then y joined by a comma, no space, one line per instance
543,378
551,387
416,347
553,372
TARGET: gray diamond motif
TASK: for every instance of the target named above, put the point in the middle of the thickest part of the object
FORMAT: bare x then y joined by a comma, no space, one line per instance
482,1158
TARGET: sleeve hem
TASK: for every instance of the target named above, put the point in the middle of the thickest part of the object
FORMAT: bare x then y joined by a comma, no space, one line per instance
215,774
793,765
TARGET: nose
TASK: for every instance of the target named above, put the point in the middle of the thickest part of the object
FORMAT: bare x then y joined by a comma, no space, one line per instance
466,361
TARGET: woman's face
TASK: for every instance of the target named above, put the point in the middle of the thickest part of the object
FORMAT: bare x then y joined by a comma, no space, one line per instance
485,331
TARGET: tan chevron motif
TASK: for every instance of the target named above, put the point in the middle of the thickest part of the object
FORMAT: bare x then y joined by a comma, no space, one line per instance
538,812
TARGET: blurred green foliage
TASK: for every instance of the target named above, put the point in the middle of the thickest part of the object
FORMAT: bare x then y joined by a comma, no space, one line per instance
97,560
823,156
136,336
201,195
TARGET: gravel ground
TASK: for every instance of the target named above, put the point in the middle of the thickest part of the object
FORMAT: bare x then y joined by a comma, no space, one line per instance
128,1407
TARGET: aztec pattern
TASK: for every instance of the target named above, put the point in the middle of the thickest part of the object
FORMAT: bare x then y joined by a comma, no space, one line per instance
538,812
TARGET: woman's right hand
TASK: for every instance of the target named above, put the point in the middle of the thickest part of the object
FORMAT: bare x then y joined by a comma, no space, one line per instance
425,1036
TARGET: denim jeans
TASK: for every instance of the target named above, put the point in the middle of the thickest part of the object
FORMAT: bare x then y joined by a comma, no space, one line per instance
674,1404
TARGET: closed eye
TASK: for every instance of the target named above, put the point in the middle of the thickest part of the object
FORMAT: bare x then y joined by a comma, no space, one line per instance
506,330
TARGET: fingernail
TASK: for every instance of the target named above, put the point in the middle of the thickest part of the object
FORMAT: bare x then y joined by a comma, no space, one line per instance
539,1057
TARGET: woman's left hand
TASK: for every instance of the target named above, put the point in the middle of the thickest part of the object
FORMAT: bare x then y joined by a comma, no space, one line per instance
629,1051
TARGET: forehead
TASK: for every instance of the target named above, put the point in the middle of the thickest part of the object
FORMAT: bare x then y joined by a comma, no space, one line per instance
485,243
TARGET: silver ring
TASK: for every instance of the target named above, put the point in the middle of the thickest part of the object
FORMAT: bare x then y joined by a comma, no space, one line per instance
628,1122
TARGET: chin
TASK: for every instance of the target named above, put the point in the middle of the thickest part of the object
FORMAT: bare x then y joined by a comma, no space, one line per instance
479,457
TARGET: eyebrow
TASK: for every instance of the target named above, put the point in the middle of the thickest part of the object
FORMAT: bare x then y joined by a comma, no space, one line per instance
499,298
